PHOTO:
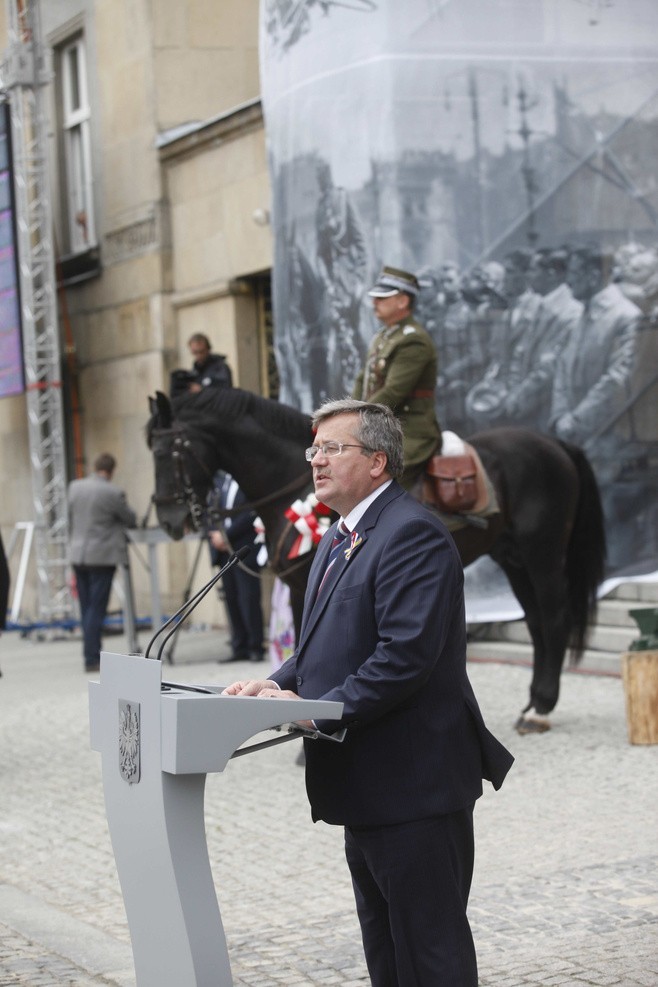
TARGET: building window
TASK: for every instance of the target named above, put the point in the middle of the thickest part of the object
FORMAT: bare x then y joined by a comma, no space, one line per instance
79,213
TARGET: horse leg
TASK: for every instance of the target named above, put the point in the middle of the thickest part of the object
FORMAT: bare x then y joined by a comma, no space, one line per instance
551,594
542,598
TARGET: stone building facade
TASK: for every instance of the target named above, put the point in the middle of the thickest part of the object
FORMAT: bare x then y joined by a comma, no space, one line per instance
160,201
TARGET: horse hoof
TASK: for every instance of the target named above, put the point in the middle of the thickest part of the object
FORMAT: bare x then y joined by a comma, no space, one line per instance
532,722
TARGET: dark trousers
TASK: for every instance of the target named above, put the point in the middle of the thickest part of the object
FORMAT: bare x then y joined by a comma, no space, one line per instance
94,583
411,883
245,613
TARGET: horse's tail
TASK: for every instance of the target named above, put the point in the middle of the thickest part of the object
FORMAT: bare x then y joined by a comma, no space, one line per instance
586,552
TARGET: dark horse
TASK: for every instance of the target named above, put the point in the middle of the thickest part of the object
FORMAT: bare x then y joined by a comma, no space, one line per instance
548,539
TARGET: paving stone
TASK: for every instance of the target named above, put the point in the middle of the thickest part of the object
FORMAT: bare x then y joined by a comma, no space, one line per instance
564,891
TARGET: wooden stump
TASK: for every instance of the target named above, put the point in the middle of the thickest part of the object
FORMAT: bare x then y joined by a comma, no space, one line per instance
640,676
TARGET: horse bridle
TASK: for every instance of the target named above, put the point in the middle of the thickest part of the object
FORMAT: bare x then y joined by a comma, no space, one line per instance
186,494
184,491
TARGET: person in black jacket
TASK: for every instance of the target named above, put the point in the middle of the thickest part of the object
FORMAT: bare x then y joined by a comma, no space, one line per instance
241,584
209,369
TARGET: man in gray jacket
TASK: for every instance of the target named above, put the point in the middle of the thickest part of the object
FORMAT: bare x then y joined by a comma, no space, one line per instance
532,365
592,400
98,517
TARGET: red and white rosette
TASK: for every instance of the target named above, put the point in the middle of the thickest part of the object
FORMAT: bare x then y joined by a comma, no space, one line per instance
311,519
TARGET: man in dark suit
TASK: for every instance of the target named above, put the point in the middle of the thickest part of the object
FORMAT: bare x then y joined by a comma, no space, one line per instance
240,585
383,632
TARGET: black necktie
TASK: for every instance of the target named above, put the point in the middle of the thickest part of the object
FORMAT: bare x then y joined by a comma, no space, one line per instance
340,535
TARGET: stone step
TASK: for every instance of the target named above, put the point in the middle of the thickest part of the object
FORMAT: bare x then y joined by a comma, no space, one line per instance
638,594
594,662
610,636
602,637
612,612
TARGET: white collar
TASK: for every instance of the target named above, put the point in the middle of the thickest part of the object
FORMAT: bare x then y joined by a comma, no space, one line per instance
357,512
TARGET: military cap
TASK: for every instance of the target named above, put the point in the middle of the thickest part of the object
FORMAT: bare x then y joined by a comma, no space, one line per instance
391,280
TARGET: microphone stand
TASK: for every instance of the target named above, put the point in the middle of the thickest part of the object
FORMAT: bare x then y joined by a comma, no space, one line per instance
186,597
188,606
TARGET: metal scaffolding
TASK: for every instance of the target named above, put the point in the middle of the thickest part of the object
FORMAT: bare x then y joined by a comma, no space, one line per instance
25,75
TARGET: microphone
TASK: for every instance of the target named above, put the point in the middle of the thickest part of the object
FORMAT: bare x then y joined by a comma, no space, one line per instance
189,605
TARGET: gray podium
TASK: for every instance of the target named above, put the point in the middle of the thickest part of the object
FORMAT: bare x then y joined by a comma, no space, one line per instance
157,745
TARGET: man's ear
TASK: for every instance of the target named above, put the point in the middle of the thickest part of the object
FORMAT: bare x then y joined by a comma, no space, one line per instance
404,302
379,464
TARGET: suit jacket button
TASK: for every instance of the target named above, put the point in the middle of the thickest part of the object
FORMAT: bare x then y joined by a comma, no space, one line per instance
299,680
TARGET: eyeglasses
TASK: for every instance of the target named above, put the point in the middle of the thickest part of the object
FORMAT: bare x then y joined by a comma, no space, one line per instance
330,449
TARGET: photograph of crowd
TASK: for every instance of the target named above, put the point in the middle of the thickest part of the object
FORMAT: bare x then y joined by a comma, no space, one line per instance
510,166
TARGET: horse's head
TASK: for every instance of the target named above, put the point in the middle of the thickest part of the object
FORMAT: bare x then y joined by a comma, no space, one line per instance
182,480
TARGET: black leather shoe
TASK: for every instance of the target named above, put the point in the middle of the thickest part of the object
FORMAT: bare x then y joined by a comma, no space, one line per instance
256,656
226,661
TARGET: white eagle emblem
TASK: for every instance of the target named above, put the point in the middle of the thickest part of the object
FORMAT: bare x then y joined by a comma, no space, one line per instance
129,741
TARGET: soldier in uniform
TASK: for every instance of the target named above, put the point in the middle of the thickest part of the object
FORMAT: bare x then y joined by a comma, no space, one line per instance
401,369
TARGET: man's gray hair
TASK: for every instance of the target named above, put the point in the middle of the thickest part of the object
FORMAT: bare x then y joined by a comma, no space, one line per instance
378,430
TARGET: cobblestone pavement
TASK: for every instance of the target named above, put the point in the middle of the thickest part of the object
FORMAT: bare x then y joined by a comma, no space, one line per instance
565,889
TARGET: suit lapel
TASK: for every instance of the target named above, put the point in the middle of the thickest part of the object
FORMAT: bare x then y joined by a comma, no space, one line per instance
319,601
316,605
336,571
320,563
315,577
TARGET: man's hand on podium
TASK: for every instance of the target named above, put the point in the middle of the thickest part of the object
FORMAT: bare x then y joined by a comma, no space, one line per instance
265,689
253,687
